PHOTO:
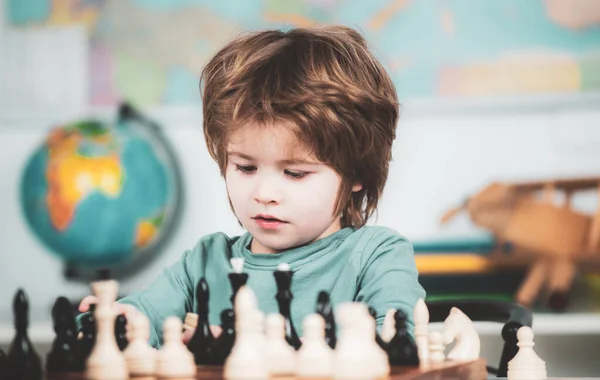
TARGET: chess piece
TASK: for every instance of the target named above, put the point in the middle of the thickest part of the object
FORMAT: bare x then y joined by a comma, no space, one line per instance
247,360
283,277
355,355
201,343
460,329
436,347
224,343
281,357
388,330
315,357
237,278
526,365
402,350
64,356
139,355
22,362
106,361
421,331
325,310
378,340
88,333
121,331
173,360
3,374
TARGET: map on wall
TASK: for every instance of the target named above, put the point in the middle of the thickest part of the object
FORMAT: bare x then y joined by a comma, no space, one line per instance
152,51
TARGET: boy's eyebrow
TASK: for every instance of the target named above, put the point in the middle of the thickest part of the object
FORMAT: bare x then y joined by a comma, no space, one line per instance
289,161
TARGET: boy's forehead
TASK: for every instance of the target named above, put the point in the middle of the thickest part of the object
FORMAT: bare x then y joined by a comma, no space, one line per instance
274,138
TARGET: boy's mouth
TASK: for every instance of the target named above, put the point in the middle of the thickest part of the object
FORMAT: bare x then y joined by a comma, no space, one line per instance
268,218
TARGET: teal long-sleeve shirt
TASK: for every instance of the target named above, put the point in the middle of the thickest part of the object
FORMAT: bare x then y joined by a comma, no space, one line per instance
373,265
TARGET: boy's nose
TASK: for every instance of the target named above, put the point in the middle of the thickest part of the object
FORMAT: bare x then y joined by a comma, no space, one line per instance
267,193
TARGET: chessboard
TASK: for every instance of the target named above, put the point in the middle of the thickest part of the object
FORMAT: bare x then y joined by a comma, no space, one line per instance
253,345
469,370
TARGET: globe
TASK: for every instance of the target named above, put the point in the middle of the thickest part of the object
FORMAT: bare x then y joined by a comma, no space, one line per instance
102,194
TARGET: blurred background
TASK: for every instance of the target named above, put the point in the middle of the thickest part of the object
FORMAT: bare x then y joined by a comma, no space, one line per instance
103,161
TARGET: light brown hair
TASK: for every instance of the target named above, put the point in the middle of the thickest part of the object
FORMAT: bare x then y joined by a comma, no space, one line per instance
327,86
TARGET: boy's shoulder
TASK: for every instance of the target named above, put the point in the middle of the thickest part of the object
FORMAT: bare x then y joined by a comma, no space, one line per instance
378,235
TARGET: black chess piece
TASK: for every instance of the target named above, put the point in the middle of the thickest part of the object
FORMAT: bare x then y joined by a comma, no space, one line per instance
201,343
22,362
284,296
237,280
325,309
2,365
402,349
378,339
64,355
224,343
121,331
88,333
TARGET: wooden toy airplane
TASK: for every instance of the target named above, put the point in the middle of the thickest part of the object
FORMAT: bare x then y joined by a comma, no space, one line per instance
548,236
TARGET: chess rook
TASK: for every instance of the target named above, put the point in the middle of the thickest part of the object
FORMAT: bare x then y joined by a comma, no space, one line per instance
22,362
283,278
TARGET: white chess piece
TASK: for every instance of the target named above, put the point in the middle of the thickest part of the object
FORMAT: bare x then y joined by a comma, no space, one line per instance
353,355
526,365
315,357
281,357
421,331
237,263
436,347
106,361
174,360
140,356
388,330
458,327
247,360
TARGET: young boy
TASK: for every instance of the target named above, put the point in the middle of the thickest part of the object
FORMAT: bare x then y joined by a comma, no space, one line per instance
301,124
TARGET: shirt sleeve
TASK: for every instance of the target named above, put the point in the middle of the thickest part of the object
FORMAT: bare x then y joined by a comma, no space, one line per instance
171,294
389,278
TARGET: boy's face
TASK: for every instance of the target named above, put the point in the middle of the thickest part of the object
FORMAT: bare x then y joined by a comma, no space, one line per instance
282,195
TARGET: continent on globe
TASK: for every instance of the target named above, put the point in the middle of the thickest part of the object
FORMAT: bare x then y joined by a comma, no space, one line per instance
102,194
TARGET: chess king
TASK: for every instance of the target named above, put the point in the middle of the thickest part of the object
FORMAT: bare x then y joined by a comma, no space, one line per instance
301,124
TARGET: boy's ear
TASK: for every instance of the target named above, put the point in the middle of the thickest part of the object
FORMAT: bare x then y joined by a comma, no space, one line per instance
356,187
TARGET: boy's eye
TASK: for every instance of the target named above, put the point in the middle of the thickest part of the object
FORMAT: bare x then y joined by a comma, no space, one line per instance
247,169
296,174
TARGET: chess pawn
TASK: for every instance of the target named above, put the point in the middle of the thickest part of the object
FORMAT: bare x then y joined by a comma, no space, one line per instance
106,361
353,359
315,357
139,355
402,350
3,374
88,333
526,365
64,356
22,362
436,347
247,360
121,331
281,357
421,331
173,360
325,309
